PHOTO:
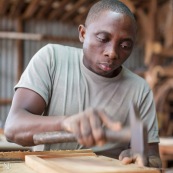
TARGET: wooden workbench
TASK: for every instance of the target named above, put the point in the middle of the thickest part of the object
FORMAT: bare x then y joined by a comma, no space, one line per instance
81,161
12,167
166,150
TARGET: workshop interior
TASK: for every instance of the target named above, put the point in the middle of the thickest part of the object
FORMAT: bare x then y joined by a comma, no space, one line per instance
28,25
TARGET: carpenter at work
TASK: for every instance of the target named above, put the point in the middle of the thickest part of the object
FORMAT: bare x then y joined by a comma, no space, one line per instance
80,90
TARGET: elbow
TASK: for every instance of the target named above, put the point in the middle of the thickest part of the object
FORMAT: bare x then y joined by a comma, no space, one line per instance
9,128
9,133
18,138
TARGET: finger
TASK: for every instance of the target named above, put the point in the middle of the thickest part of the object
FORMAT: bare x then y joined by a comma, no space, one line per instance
86,133
108,122
139,160
127,160
75,129
125,153
68,123
96,126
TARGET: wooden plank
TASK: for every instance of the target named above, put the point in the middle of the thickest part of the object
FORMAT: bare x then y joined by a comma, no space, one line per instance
20,155
15,167
36,37
20,35
82,164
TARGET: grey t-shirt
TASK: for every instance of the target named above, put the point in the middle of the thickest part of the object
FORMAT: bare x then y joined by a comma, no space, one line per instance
58,74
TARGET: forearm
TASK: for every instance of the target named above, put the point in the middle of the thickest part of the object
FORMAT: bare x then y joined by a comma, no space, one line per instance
155,161
21,127
153,156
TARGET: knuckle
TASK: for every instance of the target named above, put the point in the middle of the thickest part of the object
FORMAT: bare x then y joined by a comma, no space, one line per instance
99,135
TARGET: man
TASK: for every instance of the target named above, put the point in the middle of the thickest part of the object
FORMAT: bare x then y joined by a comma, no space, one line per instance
81,90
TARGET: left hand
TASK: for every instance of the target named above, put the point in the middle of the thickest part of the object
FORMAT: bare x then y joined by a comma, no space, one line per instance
127,157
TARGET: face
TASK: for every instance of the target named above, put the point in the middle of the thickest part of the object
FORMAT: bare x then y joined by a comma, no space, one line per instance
107,42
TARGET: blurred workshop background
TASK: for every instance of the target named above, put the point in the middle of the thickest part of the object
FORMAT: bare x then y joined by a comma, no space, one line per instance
27,25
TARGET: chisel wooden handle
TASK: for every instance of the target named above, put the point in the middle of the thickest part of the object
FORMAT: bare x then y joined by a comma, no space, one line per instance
62,136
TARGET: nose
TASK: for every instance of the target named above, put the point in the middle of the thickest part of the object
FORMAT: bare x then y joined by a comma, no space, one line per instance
111,53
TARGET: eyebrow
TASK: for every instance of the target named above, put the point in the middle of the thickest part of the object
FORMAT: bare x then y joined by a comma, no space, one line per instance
103,32
107,33
128,39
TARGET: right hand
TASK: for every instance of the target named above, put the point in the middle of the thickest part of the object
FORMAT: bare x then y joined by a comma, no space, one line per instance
127,157
88,127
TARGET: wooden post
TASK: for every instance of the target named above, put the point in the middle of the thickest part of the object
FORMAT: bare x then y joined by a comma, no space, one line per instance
20,59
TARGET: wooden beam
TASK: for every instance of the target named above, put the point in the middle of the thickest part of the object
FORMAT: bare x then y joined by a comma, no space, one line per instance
16,8
147,21
3,7
167,52
82,16
20,57
57,12
35,37
5,101
130,5
168,71
45,9
168,33
31,9
73,10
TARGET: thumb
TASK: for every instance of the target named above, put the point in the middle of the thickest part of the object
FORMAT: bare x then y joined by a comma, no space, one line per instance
127,160
141,160
109,122
125,157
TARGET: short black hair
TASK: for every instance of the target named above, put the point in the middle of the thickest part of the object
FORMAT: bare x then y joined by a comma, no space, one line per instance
104,5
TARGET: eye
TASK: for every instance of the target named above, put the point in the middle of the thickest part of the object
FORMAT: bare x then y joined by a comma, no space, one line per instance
102,37
126,45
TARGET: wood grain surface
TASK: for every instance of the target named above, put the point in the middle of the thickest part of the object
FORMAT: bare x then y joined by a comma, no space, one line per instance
81,164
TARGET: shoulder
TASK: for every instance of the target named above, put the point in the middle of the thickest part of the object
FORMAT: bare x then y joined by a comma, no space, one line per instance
62,49
135,80
56,53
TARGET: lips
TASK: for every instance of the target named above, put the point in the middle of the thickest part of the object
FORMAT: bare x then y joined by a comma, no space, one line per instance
106,66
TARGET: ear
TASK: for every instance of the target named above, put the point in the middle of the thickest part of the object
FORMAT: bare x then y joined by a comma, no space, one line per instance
82,31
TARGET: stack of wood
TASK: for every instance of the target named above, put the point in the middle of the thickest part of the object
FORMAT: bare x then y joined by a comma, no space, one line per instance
156,27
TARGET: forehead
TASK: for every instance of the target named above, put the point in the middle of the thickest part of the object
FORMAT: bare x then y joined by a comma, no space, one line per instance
113,22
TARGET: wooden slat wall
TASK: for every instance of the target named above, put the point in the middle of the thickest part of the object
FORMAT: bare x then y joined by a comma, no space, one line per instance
11,53
8,68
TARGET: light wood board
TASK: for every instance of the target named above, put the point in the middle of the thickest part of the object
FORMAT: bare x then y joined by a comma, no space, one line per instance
81,164
11,167
20,155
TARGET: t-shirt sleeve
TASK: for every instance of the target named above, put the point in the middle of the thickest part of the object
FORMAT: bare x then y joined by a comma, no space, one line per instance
38,74
149,117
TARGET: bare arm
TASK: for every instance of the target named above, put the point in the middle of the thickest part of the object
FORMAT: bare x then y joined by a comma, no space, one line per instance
24,118
154,156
